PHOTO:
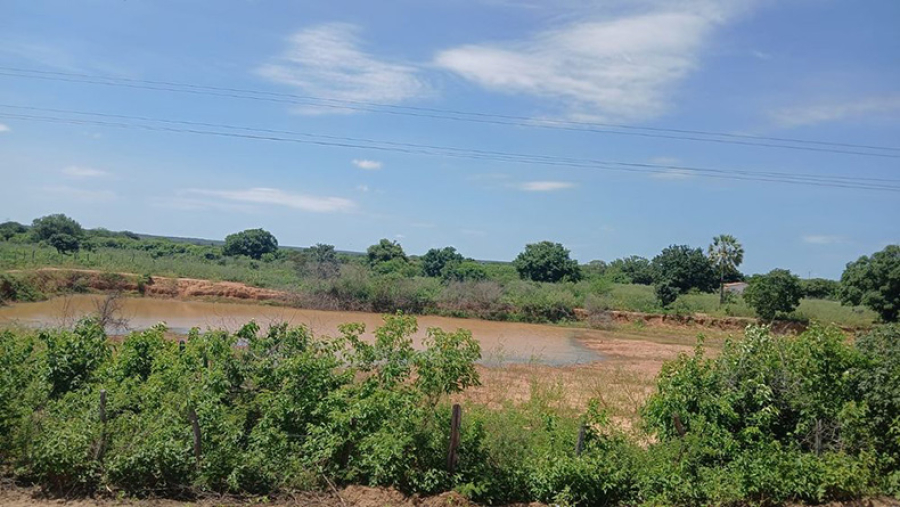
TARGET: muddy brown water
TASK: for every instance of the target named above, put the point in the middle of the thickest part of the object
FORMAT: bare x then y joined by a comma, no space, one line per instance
500,341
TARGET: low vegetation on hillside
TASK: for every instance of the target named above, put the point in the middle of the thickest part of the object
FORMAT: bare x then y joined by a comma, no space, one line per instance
771,419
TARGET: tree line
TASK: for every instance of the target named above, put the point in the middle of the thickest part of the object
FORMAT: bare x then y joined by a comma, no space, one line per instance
872,281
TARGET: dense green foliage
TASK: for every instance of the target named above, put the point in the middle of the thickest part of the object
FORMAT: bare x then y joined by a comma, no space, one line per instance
772,419
438,262
547,262
779,291
820,288
875,282
386,251
776,419
633,269
10,229
684,268
253,243
46,227
64,243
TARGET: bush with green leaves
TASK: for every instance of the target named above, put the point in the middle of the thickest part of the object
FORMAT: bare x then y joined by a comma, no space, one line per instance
684,268
874,282
772,419
253,243
437,260
276,409
547,262
778,291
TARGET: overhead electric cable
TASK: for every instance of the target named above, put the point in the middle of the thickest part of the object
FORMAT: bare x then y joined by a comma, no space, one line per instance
466,116
347,142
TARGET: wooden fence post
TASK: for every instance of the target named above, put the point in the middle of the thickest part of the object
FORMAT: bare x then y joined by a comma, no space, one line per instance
101,447
195,423
579,447
818,437
679,426
455,422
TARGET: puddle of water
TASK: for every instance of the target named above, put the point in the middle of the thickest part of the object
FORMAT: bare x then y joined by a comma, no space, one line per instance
501,342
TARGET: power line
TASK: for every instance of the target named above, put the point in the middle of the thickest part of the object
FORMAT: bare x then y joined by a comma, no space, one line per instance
409,148
464,116
792,175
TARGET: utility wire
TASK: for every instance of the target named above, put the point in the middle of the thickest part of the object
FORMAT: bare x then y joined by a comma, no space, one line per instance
464,116
331,141
670,167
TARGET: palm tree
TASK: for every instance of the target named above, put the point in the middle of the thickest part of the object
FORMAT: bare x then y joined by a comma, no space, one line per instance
726,254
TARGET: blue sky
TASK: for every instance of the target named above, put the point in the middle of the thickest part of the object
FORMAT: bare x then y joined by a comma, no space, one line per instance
811,69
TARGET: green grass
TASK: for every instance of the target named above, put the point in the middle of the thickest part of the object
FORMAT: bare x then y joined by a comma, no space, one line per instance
276,274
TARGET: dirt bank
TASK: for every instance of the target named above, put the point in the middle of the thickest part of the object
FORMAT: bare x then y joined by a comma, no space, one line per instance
53,280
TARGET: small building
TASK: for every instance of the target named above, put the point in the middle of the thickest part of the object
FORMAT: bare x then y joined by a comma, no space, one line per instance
735,287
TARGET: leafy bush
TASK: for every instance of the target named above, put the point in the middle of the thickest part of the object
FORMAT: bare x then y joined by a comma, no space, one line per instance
875,282
778,291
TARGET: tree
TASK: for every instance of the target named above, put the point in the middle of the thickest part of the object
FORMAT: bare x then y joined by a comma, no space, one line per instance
777,291
666,293
251,242
321,260
437,260
684,268
874,282
547,262
10,229
633,269
466,271
64,243
820,288
46,227
725,254
385,251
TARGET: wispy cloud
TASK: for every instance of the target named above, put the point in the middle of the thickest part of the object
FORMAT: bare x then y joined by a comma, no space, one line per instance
822,239
543,186
81,194
362,188
74,171
327,60
368,165
276,197
4,128
879,107
623,64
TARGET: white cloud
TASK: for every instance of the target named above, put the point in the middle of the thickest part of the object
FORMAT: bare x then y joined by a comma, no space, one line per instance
621,64
74,171
368,165
81,194
327,60
885,106
822,239
274,196
544,186
4,128
362,188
